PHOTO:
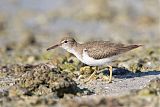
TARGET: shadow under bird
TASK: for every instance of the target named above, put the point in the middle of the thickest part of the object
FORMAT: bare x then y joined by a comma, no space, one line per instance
94,53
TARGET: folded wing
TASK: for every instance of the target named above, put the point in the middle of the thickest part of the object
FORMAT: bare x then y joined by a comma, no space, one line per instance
107,49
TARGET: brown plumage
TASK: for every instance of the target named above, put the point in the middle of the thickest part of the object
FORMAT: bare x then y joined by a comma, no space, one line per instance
95,49
105,49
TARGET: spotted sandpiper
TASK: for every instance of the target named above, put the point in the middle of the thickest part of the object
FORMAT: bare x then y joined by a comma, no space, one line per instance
94,53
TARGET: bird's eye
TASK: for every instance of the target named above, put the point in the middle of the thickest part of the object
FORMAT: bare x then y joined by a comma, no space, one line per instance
65,41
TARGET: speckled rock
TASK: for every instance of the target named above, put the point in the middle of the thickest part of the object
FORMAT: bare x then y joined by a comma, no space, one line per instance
38,79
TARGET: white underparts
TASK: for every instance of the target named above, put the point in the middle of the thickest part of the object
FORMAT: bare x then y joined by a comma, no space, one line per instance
95,62
89,60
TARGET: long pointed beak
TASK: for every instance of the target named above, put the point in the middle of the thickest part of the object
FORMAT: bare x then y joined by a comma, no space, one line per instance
53,47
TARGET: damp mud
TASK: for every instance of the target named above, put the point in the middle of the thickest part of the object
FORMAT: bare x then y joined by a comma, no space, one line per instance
30,76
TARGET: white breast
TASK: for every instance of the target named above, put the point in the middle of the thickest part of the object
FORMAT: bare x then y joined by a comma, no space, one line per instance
71,50
88,60
95,62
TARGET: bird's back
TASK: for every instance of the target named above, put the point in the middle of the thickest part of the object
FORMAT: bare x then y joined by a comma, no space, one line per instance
104,49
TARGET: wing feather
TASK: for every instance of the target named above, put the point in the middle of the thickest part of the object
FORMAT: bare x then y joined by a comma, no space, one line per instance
104,49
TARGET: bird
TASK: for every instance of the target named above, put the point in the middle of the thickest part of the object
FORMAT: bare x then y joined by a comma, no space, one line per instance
94,53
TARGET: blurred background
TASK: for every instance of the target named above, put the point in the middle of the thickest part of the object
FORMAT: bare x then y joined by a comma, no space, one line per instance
28,27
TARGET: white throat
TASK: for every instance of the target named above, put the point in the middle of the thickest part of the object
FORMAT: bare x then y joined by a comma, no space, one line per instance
72,50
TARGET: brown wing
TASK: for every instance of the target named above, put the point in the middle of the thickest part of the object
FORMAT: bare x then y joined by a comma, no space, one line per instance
105,49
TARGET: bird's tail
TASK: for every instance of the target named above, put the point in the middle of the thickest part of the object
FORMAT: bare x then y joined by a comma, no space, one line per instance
130,47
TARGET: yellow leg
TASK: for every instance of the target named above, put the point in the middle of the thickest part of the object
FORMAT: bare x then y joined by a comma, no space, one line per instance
80,77
92,75
110,73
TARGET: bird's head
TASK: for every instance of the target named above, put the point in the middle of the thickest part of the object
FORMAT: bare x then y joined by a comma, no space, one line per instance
66,43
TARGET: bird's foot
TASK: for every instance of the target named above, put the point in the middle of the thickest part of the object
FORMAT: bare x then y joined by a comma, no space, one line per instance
79,77
86,70
92,75
106,78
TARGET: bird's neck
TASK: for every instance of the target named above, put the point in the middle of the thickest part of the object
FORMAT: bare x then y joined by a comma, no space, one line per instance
74,49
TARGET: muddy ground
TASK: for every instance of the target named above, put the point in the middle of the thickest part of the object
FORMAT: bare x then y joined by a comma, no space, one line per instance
30,76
